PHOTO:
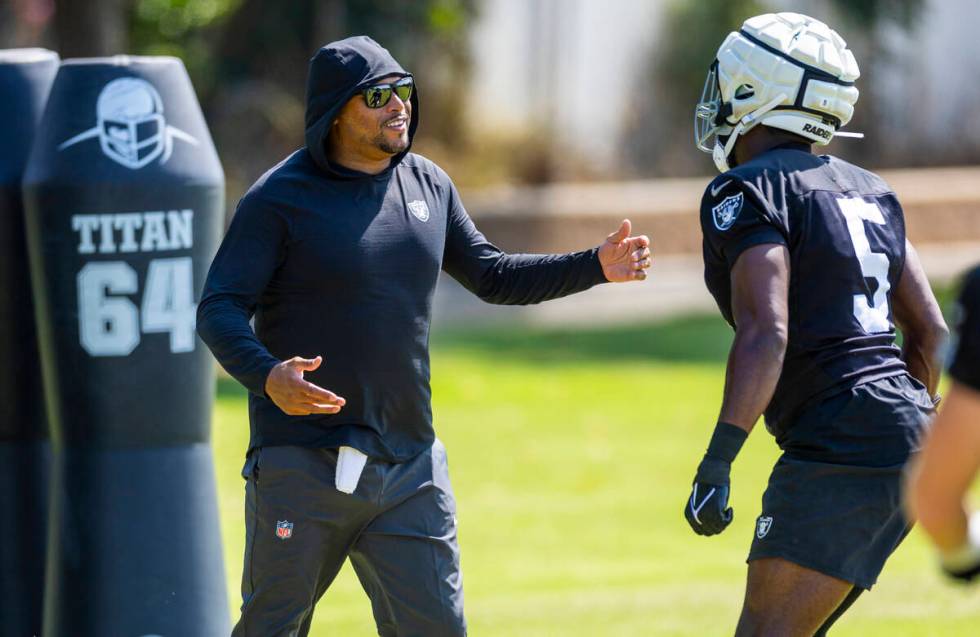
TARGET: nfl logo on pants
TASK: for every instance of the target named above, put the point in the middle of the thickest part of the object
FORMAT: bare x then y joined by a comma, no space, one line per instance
284,530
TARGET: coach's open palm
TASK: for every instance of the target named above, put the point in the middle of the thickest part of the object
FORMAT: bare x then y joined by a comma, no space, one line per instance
296,396
625,258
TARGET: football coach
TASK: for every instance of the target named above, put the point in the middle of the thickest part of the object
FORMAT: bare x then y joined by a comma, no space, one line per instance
335,252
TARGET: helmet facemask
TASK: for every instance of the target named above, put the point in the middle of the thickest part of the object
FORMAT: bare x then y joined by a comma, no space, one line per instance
710,115
711,118
134,142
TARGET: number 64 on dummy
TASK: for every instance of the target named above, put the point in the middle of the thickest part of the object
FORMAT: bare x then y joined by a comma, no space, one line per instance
110,322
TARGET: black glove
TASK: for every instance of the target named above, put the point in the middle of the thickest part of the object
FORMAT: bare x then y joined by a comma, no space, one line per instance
707,509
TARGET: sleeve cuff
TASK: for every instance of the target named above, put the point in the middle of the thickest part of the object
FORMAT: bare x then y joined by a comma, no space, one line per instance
255,381
595,267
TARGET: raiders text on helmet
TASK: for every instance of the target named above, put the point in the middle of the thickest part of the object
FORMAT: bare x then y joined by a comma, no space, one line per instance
784,70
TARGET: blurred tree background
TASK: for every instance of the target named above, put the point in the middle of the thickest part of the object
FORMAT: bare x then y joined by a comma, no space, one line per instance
248,59
678,63
654,135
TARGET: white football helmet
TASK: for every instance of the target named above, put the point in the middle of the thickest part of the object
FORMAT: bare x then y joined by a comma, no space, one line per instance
784,70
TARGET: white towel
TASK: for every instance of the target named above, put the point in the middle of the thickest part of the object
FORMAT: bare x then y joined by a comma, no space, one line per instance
350,464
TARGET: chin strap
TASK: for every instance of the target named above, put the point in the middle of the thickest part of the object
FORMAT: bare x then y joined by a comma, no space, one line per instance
720,153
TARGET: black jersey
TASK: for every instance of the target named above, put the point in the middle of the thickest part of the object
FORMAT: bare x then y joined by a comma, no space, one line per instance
845,233
338,263
966,359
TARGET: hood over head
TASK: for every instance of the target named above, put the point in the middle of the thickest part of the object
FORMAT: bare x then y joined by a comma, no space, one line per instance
337,72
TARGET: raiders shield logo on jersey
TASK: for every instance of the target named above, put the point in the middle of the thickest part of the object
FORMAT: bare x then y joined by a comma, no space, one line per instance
725,213
420,209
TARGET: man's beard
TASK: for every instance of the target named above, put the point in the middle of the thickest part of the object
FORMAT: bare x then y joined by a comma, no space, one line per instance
389,146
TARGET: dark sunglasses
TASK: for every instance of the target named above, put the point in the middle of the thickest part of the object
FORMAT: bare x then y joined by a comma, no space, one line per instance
380,94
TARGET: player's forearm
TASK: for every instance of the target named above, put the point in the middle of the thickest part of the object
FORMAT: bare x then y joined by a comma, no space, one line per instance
947,464
917,314
922,354
938,510
224,327
944,520
754,365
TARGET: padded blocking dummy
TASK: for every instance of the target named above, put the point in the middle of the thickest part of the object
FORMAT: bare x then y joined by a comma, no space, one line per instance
125,202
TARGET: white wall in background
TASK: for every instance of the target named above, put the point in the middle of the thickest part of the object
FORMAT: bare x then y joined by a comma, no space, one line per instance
567,67
562,66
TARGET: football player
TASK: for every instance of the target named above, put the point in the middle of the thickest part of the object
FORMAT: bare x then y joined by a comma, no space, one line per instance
950,456
807,259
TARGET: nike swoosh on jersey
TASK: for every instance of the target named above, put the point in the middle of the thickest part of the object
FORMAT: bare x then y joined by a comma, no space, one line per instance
716,189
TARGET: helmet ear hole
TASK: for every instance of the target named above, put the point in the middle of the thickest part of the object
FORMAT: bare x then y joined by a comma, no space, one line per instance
744,91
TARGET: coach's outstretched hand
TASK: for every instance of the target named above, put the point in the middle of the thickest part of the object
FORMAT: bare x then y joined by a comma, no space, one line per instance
625,258
707,509
287,388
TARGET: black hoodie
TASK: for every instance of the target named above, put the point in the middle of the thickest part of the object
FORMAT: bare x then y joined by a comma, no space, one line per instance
343,264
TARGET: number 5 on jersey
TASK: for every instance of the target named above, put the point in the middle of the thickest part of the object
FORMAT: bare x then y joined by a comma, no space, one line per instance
873,317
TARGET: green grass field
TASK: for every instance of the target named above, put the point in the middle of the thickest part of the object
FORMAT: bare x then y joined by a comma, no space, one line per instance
571,455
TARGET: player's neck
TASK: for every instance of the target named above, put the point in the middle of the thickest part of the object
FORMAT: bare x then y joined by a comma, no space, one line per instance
762,139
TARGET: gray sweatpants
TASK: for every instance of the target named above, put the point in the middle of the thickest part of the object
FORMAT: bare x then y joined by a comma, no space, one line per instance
398,528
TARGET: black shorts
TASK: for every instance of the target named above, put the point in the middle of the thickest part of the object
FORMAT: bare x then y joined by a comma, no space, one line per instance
834,503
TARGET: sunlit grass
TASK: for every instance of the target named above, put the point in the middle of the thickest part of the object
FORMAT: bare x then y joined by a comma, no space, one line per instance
571,455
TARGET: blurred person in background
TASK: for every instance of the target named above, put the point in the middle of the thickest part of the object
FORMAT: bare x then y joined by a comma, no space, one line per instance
336,252
950,458
807,259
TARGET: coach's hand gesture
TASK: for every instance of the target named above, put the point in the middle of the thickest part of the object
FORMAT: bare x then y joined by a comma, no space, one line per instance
625,258
294,395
